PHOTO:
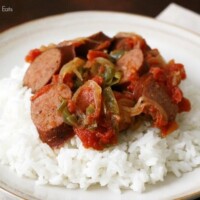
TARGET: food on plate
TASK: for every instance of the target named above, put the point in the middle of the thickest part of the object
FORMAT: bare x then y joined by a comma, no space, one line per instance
96,87
46,65
50,125
109,112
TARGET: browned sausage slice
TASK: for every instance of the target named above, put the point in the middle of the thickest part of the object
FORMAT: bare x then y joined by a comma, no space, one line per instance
98,41
155,101
128,41
130,63
44,113
46,65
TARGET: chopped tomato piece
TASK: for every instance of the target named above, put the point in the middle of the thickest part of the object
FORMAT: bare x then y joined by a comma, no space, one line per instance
98,138
55,78
184,105
169,128
98,80
178,68
32,55
158,74
71,106
125,43
68,79
103,45
92,54
177,94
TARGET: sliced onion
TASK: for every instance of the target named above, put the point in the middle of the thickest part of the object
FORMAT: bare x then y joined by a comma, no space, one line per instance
92,100
72,67
144,103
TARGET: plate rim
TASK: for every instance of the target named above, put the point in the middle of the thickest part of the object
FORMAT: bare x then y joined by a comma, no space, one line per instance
177,28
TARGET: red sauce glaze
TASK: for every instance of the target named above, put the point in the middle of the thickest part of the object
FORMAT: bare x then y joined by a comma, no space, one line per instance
169,128
55,79
98,80
41,91
68,79
71,106
98,139
92,54
177,94
85,98
158,74
125,44
32,55
184,105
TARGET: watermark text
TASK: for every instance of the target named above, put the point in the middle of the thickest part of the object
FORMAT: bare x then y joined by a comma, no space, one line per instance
6,9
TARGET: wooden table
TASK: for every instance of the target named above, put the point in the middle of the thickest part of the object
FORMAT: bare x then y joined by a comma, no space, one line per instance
15,12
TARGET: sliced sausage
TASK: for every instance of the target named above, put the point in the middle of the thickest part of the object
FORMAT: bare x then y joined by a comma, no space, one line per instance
153,58
130,63
98,41
154,100
128,41
99,37
46,65
44,113
75,43
57,136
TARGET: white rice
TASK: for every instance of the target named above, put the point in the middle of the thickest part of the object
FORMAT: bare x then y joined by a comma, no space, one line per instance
141,157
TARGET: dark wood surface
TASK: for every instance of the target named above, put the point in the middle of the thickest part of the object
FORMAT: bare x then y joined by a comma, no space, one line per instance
15,12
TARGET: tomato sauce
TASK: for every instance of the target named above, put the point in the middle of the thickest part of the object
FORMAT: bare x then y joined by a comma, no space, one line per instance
98,139
34,53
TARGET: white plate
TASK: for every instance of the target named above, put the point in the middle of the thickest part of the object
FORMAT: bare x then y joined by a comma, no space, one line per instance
172,41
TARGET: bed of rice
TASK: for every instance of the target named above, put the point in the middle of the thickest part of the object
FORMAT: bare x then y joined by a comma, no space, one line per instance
141,157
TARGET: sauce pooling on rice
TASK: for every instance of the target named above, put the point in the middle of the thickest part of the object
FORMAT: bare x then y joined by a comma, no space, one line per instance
97,87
